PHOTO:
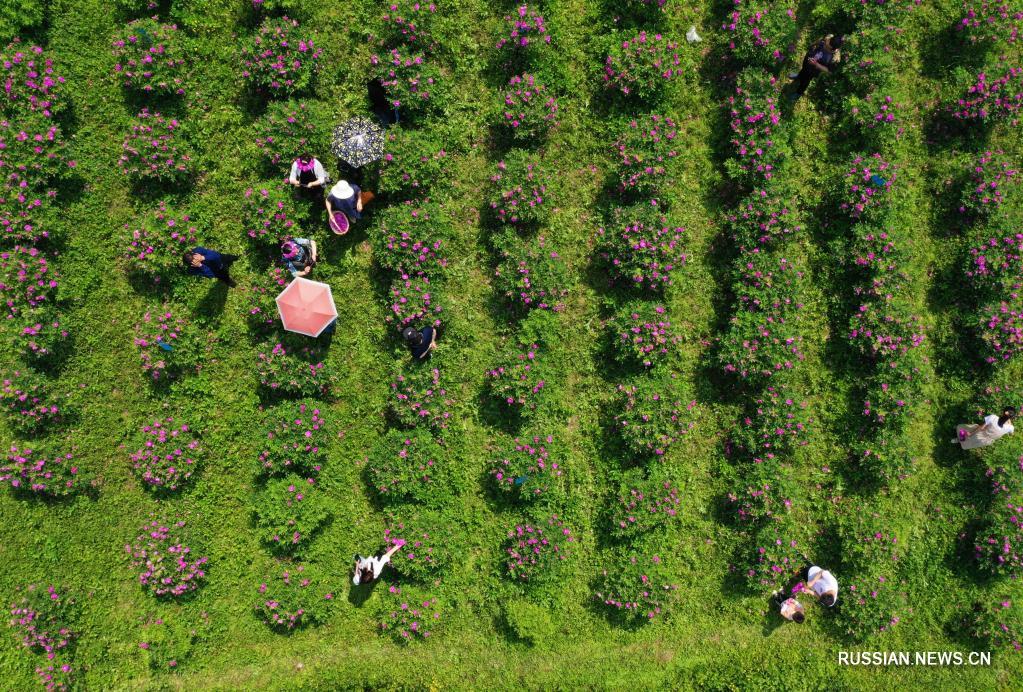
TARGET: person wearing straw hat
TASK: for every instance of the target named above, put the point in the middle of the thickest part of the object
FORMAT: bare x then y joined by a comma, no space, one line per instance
298,256
347,198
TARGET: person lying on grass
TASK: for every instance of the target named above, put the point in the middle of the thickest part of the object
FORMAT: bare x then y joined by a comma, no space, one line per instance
822,584
368,569
209,264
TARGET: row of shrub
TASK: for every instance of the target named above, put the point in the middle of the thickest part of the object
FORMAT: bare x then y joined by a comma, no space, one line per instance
762,348
642,248
874,203
989,209
33,338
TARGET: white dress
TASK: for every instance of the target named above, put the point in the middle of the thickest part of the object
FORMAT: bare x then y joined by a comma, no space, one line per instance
374,563
986,436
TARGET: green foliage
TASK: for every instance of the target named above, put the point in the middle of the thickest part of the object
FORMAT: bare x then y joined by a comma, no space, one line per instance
529,621
293,597
643,505
289,512
870,606
655,413
775,557
531,274
523,471
635,587
430,547
998,621
414,162
289,129
170,641
410,615
409,466
17,16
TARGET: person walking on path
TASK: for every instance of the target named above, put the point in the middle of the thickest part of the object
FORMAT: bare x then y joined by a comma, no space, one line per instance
200,261
308,175
790,608
348,198
973,435
420,341
822,584
821,57
368,569
299,256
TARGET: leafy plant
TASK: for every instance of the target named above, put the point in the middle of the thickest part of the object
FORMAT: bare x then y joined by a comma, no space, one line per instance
289,512
408,466
280,60
296,597
167,567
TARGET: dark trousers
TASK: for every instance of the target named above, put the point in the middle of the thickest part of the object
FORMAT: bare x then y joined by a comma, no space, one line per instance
806,76
222,273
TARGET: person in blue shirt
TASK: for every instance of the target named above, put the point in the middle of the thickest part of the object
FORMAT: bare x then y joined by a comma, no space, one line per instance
420,341
298,256
821,57
348,198
210,264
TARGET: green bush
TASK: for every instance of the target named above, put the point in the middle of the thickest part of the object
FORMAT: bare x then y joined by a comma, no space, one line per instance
289,129
289,513
655,413
414,162
522,191
17,16
412,238
409,615
635,587
430,544
998,621
418,397
871,605
643,335
531,275
295,597
170,641
409,466
529,621
414,84
643,505
525,472
775,559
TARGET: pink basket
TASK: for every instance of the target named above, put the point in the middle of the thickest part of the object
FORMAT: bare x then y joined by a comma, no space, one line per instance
339,223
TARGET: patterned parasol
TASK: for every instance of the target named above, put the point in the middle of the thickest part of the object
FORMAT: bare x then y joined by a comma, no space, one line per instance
358,141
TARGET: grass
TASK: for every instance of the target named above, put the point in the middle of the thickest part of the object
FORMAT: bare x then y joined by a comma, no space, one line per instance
719,636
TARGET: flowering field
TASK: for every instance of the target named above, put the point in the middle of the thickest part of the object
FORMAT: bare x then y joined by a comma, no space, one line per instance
693,337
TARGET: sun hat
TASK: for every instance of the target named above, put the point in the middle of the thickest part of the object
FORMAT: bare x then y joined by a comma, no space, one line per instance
289,249
342,190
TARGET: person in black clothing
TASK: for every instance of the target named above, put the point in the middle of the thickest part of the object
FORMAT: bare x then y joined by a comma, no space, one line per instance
382,107
210,264
420,341
821,57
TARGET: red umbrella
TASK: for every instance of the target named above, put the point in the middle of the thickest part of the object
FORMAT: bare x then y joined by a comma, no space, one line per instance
307,307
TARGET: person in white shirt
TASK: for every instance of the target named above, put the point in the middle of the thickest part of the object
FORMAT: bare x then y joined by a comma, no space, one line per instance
823,585
368,569
994,427
791,609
